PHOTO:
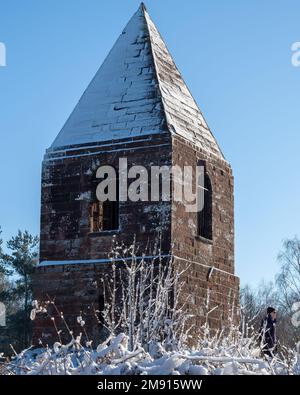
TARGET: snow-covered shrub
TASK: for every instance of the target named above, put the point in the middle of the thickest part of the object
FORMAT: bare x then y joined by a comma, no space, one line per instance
147,333
142,299
214,355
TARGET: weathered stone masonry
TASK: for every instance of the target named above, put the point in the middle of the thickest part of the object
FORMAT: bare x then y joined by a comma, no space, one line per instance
137,107
209,258
69,186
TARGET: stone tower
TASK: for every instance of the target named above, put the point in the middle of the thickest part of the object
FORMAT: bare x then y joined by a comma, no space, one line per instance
136,107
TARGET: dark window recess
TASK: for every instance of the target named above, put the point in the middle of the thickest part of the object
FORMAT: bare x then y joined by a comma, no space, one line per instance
105,215
205,215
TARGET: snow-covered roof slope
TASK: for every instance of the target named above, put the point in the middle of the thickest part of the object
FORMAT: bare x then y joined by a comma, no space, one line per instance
137,91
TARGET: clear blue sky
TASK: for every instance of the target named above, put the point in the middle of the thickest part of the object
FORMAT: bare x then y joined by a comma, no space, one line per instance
234,55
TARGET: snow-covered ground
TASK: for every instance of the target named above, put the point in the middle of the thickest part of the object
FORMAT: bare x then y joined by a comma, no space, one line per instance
213,357
157,343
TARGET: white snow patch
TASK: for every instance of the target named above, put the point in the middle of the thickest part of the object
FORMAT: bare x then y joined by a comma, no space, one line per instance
114,357
84,196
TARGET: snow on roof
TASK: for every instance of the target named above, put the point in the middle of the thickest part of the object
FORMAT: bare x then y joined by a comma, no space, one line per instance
137,91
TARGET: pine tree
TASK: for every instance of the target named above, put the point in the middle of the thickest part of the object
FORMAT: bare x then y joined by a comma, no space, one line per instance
20,263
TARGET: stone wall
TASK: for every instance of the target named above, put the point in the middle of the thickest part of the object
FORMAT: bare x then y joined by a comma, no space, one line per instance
68,187
211,263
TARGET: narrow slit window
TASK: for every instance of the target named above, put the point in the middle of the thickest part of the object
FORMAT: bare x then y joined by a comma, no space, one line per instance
205,215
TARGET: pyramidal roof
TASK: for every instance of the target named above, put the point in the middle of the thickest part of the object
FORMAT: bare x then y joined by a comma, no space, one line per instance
137,91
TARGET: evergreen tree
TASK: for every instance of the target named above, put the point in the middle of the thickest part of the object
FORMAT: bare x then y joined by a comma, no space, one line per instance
19,263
